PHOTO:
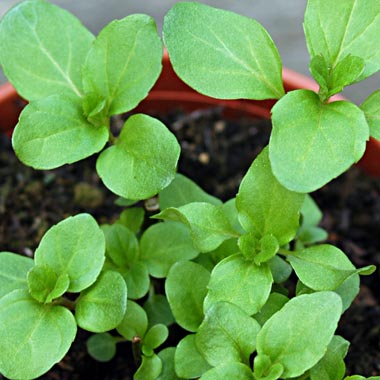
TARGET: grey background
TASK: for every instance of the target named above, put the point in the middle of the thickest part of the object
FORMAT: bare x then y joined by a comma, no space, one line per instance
282,19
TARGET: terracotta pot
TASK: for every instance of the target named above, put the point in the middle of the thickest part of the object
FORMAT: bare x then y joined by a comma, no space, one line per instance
170,92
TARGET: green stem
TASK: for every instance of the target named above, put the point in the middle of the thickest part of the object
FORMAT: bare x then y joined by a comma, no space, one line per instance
66,303
136,350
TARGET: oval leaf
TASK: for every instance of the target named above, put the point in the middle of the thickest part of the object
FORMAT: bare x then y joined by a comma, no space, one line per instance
149,369
142,162
102,347
167,359
313,142
134,323
227,56
74,246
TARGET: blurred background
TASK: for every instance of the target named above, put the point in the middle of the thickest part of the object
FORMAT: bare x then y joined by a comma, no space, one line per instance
283,20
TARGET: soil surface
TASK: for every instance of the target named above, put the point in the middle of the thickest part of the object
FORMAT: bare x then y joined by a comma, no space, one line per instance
216,154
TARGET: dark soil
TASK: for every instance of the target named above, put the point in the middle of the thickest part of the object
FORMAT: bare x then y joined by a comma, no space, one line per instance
216,154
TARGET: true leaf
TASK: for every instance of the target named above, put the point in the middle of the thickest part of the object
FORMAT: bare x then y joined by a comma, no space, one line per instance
124,62
371,109
208,224
52,132
153,338
45,285
134,323
297,336
167,359
186,288
313,142
240,282
188,361
324,267
143,160
74,246
227,334
265,206
236,371
13,272
149,369
163,244
342,28
101,307
33,336
42,49
228,56
102,347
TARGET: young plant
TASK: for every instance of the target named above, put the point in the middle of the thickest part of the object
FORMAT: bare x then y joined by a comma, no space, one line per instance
220,271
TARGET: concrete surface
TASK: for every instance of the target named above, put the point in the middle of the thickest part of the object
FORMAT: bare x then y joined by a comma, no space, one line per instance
282,19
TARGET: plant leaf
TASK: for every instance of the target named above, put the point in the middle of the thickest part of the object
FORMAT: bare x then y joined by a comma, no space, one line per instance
186,288
149,369
265,206
142,162
42,48
167,359
371,109
227,56
236,371
13,271
209,225
240,282
33,336
132,218
124,62
158,310
274,303
102,306
134,323
163,244
324,267
227,334
74,246
313,142
137,278
102,347
52,132
297,336
188,361
347,27
153,338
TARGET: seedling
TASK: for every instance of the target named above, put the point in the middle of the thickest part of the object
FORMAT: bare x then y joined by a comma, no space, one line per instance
224,267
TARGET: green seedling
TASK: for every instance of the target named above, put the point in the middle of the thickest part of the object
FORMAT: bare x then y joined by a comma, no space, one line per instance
219,271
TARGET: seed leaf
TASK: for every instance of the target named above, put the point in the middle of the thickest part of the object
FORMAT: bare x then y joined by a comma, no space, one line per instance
134,323
313,142
158,310
33,336
149,369
225,53
167,359
153,338
142,162
297,336
52,132
74,246
42,49
124,62
102,347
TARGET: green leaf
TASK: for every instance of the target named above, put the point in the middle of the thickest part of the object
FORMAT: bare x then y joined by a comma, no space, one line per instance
142,162
280,269
188,361
42,49
324,267
52,132
240,282
236,371
13,271
274,303
297,336
182,191
227,334
163,244
124,63
149,369
102,347
134,323
153,338
331,366
137,278
264,370
186,288
74,246
33,336
158,310
371,109
265,206
313,142
45,285
346,27
102,306
227,56
209,225
167,359
132,218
